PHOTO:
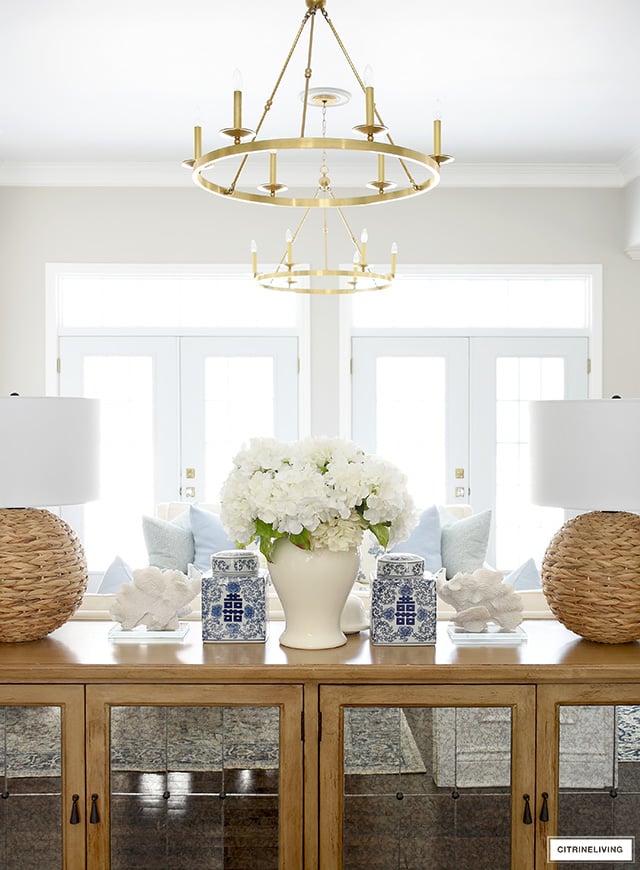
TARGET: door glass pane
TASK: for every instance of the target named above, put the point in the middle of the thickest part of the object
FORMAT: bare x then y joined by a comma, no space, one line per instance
410,421
520,526
599,775
427,788
124,385
194,787
239,404
31,808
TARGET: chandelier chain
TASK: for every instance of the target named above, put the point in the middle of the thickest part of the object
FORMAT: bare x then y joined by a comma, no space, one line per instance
323,167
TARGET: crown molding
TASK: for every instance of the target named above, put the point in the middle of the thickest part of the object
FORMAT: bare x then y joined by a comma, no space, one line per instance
459,175
532,175
94,175
633,253
630,165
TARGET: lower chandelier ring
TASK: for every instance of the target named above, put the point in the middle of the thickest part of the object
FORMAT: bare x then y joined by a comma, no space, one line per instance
286,279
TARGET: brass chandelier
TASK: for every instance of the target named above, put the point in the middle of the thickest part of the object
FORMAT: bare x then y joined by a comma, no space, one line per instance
292,276
399,172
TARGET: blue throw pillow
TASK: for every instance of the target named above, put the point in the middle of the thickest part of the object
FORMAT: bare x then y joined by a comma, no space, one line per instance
209,536
117,574
525,577
424,540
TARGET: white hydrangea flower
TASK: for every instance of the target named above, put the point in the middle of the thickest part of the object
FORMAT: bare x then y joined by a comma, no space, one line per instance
321,492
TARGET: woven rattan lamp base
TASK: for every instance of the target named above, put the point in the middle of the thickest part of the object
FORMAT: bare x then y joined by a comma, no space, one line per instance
43,573
591,576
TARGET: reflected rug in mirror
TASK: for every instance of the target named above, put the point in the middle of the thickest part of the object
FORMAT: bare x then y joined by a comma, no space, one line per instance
152,739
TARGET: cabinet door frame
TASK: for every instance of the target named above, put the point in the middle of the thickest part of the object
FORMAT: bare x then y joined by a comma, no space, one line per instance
521,700
549,699
100,698
70,699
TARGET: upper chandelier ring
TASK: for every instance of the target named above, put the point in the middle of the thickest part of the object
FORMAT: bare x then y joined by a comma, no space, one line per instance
206,161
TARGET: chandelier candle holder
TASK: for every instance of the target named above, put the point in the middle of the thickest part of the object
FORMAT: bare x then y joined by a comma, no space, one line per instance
400,172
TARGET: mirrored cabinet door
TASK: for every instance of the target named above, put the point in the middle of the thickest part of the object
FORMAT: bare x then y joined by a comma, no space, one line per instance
207,777
592,780
42,777
426,778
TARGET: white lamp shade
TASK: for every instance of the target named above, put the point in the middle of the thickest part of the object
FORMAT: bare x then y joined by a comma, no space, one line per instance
585,454
48,451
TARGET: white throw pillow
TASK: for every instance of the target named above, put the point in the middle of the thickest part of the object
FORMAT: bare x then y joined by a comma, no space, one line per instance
169,543
464,542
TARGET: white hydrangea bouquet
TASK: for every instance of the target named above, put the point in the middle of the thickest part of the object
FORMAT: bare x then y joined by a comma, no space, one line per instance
317,492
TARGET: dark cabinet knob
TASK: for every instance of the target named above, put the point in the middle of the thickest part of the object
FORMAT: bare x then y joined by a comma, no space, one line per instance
544,812
94,817
526,817
75,812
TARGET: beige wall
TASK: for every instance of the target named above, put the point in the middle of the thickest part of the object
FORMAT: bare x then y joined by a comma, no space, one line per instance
185,225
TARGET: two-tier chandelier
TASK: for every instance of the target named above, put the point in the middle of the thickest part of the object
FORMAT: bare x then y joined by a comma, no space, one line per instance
398,172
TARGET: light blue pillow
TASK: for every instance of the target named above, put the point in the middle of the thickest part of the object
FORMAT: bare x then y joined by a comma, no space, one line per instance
169,542
424,540
464,543
525,577
209,536
117,574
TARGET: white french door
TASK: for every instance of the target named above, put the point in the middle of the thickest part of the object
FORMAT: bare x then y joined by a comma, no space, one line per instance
136,380
232,390
410,404
505,374
453,414
168,404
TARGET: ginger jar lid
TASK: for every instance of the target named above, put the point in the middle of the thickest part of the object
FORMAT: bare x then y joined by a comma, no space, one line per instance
400,565
234,562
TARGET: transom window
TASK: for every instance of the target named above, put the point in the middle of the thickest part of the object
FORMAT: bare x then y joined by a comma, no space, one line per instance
480,298
178,297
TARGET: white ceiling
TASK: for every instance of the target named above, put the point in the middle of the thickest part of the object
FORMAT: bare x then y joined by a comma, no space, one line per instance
121,83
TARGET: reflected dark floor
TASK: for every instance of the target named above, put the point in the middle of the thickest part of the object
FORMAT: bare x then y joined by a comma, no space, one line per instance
212,821
614,813
195,820
30,814
406,822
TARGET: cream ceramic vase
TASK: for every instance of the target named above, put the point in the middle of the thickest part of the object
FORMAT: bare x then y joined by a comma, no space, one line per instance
313,586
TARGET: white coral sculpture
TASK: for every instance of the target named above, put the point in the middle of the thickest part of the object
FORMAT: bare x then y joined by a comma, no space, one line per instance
480,598
155,598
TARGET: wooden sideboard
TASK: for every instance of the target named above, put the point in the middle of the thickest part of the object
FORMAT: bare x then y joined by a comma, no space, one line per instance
325,817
